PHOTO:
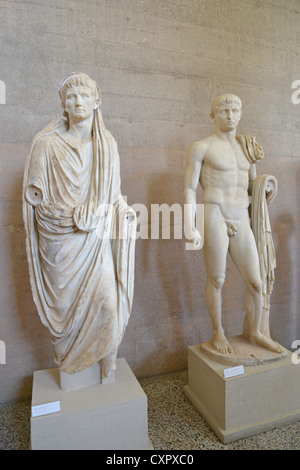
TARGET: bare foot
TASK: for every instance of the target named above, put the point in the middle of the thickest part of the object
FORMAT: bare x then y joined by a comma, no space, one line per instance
221,344
268,343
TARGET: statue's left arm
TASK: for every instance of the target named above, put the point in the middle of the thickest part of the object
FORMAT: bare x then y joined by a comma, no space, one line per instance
252,176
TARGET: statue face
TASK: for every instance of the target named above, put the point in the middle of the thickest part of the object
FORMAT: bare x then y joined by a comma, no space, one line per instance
227,116
80,102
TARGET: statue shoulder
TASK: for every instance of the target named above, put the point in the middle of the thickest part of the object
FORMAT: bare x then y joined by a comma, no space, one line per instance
252,149
197,150
47,134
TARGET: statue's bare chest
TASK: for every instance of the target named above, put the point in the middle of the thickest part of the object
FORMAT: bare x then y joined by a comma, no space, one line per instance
223,157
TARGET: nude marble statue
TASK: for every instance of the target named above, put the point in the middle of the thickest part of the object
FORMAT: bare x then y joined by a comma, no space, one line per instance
80,232
224,164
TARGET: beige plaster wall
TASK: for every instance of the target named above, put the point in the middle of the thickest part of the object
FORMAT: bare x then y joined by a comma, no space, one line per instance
159,65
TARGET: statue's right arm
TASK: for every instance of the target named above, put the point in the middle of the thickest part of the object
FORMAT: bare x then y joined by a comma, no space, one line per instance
33,195
34,189
194,160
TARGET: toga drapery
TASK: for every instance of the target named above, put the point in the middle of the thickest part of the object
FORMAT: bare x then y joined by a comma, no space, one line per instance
80,241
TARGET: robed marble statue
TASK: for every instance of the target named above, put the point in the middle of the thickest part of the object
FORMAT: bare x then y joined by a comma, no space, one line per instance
80,232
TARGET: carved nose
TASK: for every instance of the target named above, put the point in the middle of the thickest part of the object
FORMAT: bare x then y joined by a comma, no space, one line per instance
78,100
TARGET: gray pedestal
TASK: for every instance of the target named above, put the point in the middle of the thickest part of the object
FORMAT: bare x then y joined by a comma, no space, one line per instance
263,397
110,416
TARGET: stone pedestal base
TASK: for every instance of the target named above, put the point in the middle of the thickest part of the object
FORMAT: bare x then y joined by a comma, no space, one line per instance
244,353
110,416
263,397
90,376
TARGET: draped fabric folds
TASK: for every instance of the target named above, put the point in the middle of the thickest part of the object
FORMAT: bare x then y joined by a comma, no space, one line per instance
80,241
264,190
252,149
261,197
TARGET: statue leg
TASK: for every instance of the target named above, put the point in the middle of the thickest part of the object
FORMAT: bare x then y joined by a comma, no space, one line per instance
216,242
243,250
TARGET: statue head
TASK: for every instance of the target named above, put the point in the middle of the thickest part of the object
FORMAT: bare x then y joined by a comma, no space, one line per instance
77,79
226,111
227,98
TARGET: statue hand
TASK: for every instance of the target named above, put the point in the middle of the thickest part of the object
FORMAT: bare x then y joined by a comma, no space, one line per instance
195,239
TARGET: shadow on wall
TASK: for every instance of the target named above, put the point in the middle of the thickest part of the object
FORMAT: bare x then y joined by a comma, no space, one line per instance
172,284
35,347
284,299
172,260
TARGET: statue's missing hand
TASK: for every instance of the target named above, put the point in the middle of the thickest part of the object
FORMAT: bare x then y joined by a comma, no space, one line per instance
224,164
80,233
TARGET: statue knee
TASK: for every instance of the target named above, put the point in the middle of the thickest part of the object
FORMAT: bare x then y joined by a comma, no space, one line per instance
217,281
256,286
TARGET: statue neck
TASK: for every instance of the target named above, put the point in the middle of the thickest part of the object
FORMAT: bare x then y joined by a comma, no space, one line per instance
81,129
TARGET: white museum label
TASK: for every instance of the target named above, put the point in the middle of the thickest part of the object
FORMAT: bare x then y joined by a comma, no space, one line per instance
45,409
233,371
